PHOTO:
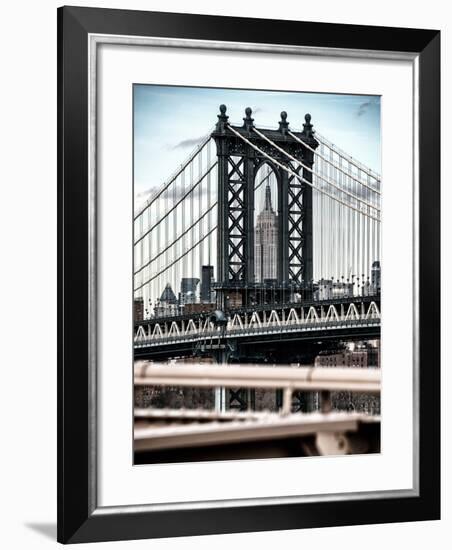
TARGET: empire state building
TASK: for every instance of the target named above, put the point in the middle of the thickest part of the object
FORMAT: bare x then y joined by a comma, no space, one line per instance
266,241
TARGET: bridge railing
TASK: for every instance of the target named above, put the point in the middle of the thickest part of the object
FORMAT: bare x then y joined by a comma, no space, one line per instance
216,332
239,325
178,428
289,379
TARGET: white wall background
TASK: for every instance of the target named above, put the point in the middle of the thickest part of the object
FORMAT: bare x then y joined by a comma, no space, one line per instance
28,272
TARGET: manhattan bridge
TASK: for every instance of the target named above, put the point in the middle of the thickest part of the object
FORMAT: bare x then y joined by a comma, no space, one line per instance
322,286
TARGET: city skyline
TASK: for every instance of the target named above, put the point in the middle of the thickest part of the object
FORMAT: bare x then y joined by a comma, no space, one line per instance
266,244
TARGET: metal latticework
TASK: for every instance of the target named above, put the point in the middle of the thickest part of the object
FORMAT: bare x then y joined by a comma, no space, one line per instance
296,214
236,213
236,232
199,228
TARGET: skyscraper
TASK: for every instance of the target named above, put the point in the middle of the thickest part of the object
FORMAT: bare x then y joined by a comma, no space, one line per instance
188,287
266,241
206,283
138,309
376,277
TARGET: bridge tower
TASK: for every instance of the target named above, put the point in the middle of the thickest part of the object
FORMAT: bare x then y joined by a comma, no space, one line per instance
238,164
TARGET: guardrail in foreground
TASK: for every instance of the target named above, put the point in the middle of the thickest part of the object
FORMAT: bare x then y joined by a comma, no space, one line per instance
323,379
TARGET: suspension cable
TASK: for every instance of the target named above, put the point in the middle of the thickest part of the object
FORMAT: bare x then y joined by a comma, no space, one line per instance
348,158
264,179
192,188
176,240
328,182
300,178
191,227
179,171
176,260
334,165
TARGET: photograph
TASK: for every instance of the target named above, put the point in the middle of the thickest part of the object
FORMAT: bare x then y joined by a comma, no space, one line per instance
248,273
257,273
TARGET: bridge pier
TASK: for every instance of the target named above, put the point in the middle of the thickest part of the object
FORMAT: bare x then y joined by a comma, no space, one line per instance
221,357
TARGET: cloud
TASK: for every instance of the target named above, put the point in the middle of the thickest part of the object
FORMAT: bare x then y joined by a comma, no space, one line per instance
188,143
172,195
146,192
363,108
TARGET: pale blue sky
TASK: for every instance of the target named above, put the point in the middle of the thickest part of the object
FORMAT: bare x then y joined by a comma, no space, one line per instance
169,121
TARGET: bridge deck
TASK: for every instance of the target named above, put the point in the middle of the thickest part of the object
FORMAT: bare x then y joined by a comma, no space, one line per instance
149,436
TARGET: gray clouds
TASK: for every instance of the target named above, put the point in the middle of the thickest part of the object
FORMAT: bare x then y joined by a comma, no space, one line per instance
188,143
365,106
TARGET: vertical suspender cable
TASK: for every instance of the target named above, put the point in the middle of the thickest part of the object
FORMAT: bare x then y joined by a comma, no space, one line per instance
192,236
166,239
140,256
175,224
368,233
200,224
353,242
150,294
349,245
322,229
209,204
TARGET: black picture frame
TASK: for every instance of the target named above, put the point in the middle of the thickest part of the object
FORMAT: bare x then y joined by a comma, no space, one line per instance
79,519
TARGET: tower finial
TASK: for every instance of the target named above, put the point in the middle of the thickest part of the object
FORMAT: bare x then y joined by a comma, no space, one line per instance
248,121
222,119
307,126
283,124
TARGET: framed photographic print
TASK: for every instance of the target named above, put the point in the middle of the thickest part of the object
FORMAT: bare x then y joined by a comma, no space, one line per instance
248,274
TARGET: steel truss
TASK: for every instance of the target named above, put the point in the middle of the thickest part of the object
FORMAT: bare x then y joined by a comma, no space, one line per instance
241,152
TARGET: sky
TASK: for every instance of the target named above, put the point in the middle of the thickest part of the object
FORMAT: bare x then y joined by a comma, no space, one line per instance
169,121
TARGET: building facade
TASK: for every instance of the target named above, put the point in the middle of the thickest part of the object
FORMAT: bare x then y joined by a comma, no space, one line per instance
266,241
138,309
206,283
188,289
